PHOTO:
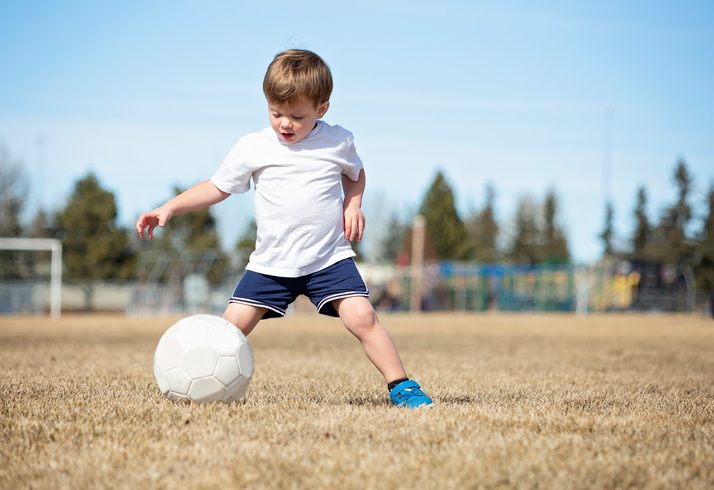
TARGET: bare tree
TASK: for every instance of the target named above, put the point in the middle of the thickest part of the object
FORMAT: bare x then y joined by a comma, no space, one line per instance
13,191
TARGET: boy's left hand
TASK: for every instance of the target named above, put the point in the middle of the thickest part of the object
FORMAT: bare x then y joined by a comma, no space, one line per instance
354,223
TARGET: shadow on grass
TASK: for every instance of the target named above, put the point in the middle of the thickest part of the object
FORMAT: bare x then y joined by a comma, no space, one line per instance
454,399
362,401
459,399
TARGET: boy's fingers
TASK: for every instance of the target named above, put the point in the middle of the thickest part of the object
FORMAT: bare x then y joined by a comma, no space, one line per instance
354,227
355,230
148,222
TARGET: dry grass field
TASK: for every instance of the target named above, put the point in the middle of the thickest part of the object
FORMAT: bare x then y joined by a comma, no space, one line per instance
521,402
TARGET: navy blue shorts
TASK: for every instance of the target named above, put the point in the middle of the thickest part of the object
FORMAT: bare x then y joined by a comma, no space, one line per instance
340,280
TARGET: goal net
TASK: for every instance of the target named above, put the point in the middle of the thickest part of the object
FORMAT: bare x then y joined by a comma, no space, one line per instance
27,279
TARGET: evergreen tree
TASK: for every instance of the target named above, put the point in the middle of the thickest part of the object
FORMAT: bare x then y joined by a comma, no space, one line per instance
608,233
94,246
554,243
443,224
40,226
681,212
393,242
483,230
704,271
194,236
641,236
670,241
246,244
357,249
524,247
194,231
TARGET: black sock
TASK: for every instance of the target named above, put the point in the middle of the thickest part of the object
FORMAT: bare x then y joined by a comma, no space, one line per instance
395,383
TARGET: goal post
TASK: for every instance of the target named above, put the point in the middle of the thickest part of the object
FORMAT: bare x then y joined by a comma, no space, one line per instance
52,245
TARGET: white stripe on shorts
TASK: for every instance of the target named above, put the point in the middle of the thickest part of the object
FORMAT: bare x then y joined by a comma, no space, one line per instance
252,302
346,294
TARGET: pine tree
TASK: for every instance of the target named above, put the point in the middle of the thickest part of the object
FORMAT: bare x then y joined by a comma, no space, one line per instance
641,237
554,243
357,249
190,232
195,235
524,247
246,244
608,233
443,224
393,243
94,246
40,226
704,271
483,230
670,241
682,212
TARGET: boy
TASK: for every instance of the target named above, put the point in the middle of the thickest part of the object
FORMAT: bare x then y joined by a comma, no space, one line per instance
300,167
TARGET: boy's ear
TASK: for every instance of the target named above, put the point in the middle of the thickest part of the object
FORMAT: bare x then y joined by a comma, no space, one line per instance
322,109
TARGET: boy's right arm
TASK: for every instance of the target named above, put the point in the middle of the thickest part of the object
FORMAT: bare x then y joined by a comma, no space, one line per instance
199,196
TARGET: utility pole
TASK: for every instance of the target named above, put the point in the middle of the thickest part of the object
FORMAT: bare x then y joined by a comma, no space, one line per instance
417,263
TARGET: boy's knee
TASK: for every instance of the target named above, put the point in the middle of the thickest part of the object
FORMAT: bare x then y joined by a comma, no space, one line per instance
244,317
358,314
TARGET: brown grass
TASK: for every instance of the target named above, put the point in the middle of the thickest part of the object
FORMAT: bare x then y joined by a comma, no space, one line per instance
521,401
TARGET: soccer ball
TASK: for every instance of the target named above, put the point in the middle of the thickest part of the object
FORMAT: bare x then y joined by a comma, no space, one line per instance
203,358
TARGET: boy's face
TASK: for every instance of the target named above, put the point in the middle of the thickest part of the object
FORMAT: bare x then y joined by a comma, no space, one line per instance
292,122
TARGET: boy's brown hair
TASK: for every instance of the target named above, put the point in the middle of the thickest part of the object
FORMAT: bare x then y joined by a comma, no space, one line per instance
297,73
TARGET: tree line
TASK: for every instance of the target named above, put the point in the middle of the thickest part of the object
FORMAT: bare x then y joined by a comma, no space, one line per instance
96,247
536,236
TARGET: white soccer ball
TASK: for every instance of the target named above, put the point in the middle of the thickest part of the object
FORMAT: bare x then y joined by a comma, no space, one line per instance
203,358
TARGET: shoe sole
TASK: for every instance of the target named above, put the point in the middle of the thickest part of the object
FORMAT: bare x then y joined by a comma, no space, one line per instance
424,406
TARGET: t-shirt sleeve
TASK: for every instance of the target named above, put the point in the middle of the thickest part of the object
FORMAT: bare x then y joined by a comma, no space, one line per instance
351,163
233,175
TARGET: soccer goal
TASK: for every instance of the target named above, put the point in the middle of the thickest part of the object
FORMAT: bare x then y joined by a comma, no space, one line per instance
16,292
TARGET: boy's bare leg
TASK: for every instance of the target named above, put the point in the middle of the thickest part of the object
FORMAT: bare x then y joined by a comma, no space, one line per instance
360,319
245,317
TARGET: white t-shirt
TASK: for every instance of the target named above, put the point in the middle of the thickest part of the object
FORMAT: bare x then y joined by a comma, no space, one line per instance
298,197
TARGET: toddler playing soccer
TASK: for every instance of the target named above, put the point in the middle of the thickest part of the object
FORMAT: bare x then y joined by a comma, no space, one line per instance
308,182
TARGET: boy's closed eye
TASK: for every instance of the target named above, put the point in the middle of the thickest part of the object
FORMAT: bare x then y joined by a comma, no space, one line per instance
296,118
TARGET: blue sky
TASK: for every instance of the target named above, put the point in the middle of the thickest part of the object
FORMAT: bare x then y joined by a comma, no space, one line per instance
149,95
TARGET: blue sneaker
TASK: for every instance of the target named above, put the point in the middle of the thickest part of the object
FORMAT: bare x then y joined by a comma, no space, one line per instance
408,394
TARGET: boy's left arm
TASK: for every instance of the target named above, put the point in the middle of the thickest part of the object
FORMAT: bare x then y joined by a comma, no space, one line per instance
353,216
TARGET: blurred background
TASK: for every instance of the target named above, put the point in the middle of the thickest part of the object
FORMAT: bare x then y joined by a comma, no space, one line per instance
519,157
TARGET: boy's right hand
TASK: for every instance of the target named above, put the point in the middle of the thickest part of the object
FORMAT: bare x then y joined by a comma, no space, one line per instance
150,220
